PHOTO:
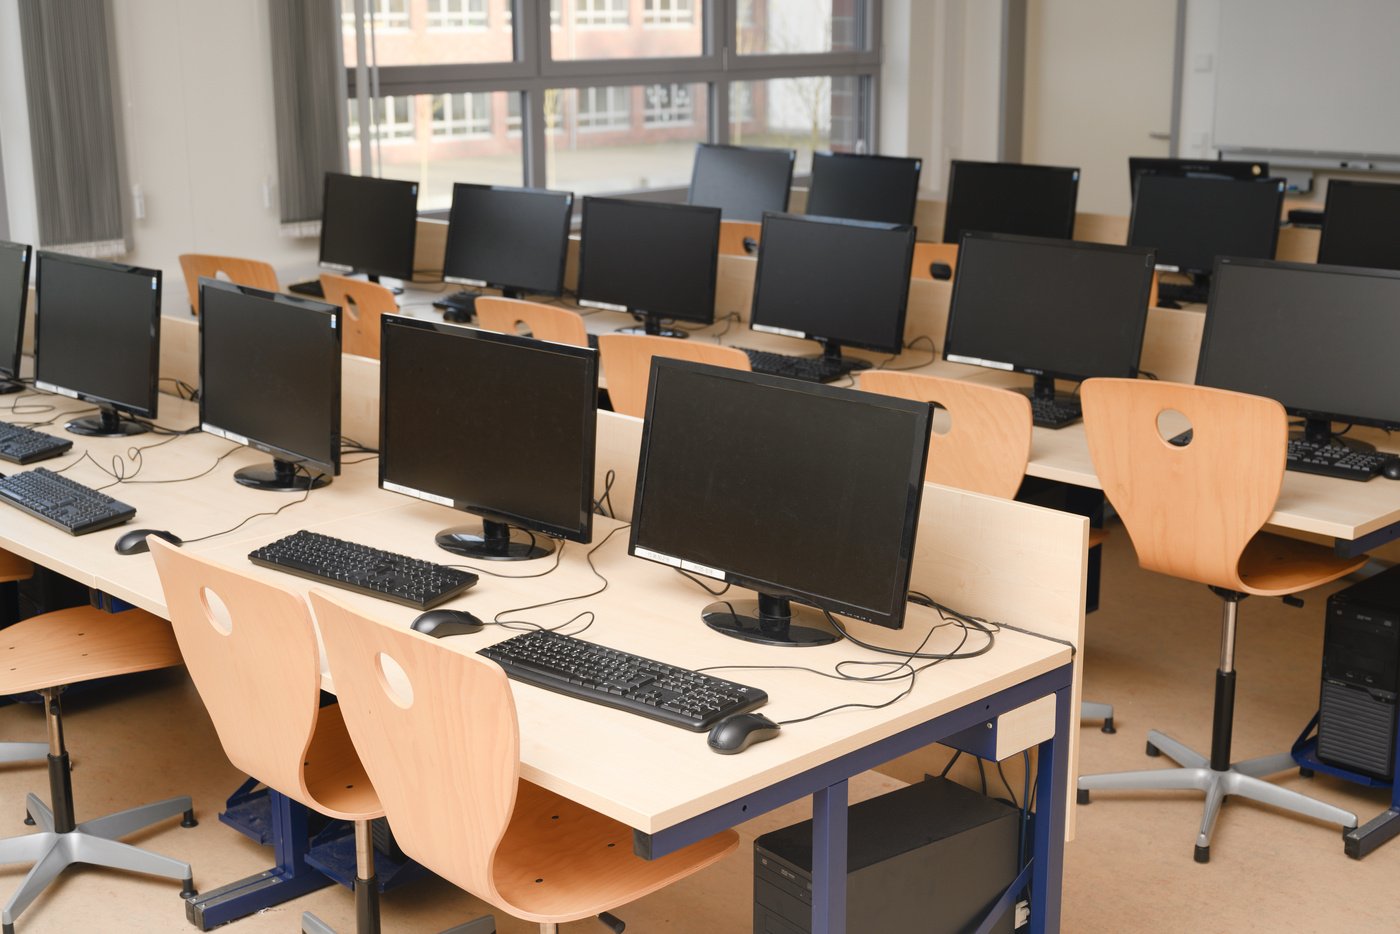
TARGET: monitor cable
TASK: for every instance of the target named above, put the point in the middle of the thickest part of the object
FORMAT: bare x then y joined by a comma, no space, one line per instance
305,493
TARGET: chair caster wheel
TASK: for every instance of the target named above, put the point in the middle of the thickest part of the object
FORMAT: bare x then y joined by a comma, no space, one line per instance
1082,796
1305,772
1153,751
1202,854
189,820
1108,726
28,819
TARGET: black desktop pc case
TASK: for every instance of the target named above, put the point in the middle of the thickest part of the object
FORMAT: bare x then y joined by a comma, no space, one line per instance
932,857
1360,676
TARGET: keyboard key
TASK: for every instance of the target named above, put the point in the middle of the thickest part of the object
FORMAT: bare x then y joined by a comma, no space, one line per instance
62,502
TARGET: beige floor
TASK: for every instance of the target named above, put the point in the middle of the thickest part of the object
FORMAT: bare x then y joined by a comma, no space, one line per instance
1151,650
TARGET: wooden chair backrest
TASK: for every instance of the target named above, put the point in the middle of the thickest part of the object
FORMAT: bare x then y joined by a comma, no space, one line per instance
363,302
261,679
438,737
1190,511
988,442
733,233
926,253
250,272
546,322
626,360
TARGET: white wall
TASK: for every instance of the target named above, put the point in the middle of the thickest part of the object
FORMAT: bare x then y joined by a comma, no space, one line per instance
20,205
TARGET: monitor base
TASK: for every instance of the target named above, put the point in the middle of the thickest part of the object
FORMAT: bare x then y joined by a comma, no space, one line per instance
752,621
494,541
279,477
7,387
106,425
1351,444
656,331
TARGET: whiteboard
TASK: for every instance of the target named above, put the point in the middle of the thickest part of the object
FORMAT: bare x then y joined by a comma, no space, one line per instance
1309,76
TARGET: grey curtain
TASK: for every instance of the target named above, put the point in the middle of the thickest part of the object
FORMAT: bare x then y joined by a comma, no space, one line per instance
72,123
308,89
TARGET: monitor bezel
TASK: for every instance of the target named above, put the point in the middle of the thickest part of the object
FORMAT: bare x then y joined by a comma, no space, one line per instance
584,531
1345,183
1245,170
567,196
1280,186
824,154
9,370
1297,412
581,289
891,619
822,219
153,383
279,453
332,265
1074,172
1146,253
695,171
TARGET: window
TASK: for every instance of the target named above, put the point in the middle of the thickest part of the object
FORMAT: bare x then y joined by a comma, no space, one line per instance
668,105
387,14
808,113
604,109
791,27
457,14
513,118
668,13
631,155
555,16
595,13
740,103
393,119
462,116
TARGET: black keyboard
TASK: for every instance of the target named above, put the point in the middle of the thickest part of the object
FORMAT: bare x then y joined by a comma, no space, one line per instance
397,578
460,306
21,445
1055,413
1334,460
628,682
311,287
1171,294
811,369
67,504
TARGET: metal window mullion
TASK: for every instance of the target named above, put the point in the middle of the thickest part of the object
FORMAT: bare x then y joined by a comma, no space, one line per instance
531,26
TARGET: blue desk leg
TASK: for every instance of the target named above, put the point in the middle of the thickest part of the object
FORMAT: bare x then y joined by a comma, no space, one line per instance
829,859
1052,786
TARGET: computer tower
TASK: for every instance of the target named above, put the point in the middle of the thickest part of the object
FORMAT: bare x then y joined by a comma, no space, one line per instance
1360,674
931,857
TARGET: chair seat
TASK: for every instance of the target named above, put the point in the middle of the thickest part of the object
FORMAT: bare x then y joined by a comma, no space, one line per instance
14,568
81,644
560,861
335,776
1097,537
1275,566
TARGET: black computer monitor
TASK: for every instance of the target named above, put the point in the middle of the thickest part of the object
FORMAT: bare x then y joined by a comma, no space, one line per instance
14,296
1361,226
1194,168
492,424
742,181
1191,221
512,239
1009,198
97,338
864,188
1056,309
840,282
1319,339
269,377
369,225
653,260
800,491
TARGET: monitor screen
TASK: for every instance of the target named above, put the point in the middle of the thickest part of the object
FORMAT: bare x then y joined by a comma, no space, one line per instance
497,425
834,280
14,295
864,188
514,239
1319,339
793,489
269,373
1360,225
1057,308
1194,168
649,258
97,333
369,225
742,181
1004,197
1191,221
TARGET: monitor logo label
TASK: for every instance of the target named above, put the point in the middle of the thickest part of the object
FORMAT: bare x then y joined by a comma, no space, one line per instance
417,494
694,568
658,556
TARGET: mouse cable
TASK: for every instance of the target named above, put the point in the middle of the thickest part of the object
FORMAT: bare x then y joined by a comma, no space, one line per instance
118,471
945,611
203,473
528,625
305,493
933,356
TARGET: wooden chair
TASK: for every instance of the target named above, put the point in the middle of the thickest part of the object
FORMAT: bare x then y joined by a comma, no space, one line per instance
546,322
251,651
739,238
14,569
363,302
626,361
1196,512
927,253
250,272
44,654
437,731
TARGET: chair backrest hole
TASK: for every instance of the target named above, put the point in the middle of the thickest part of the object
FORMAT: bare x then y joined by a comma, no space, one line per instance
222,276
523,329
942,419
393,680
352,308
216,611
1174,427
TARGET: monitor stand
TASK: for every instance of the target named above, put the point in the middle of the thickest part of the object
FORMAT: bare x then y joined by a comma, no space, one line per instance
651,324
833,361
396,289
460,306
1044,389
494,541
1318,431
770,621
108,423
280,477
7,387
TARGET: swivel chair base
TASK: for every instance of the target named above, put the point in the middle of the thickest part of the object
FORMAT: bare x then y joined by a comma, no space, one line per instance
486,924
23,752
1094,710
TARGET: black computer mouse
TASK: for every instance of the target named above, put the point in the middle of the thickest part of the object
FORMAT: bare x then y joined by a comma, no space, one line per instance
439,623
1391,468
941,271
750,245
134,542
739,732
